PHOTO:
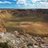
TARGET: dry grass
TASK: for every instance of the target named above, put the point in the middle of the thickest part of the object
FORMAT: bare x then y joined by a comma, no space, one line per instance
39,28
5,15
35,28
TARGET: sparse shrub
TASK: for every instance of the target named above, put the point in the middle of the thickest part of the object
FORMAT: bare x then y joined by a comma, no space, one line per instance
4,45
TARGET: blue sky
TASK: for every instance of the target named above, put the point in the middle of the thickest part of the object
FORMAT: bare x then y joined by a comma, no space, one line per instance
23,4
7,4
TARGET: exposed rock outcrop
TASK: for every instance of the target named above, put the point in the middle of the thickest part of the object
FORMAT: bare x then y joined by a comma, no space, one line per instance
22,40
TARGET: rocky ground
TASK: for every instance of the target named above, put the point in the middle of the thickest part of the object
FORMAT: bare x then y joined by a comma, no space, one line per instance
22,40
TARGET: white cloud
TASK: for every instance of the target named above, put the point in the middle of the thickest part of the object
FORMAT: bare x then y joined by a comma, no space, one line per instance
45,4
3,2
22,2
35,1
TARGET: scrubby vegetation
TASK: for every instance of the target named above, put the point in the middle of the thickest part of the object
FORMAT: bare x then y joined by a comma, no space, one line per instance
4,45
32,21
23,28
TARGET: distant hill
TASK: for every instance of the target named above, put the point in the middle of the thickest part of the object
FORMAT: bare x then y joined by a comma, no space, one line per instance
27,15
